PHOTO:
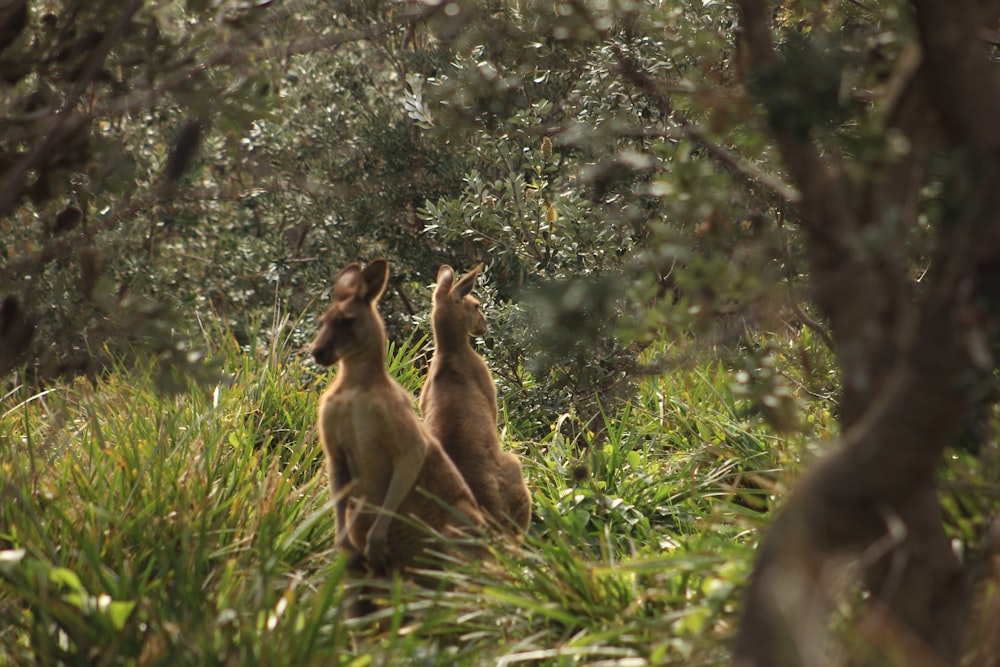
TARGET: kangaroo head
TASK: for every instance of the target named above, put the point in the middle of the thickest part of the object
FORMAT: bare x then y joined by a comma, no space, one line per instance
455,309
351,323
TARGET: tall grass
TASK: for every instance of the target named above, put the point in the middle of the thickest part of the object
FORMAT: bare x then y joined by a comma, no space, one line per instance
143,528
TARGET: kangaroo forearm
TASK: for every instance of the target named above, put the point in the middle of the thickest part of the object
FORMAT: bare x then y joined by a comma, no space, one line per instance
404,476
340,478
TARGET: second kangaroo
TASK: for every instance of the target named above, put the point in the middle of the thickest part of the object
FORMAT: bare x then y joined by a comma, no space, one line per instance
388,474
459,403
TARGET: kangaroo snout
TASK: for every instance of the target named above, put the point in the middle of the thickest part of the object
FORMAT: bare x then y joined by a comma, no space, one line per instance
324,348
324,356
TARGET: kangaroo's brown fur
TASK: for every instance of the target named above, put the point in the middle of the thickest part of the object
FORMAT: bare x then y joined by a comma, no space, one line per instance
386,470
459,403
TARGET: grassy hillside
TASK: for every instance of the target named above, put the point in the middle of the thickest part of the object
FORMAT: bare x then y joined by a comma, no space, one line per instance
143,528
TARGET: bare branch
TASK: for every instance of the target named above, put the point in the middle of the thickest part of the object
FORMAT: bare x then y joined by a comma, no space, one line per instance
752,176
813,325
752,173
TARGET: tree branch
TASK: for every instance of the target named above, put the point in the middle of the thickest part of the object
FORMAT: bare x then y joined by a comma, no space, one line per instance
750,174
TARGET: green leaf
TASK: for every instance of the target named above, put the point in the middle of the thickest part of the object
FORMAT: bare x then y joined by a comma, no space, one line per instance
634,459
66,577
118,613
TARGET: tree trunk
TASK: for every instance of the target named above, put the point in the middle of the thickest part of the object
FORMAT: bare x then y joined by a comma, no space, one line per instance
910,372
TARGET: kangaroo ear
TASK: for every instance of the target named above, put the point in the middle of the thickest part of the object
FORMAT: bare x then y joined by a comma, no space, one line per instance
465,285
445,279
374,278
346,284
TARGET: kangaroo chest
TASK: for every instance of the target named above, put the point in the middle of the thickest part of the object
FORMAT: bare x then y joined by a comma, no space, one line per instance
369,429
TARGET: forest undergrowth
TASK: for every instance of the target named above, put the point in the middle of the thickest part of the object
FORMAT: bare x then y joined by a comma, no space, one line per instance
196,528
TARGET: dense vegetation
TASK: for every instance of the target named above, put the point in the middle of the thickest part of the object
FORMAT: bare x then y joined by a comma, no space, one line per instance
198,530
708,231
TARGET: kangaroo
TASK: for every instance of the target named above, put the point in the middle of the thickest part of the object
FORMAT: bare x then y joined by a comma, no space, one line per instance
459,403
387,473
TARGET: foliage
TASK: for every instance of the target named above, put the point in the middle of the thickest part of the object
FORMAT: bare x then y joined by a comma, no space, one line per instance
427,136
101,121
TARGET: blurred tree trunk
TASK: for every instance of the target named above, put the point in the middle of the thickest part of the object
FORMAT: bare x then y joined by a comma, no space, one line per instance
911,365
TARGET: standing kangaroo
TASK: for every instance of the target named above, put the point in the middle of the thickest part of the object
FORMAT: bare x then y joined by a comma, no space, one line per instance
388,474
459,403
